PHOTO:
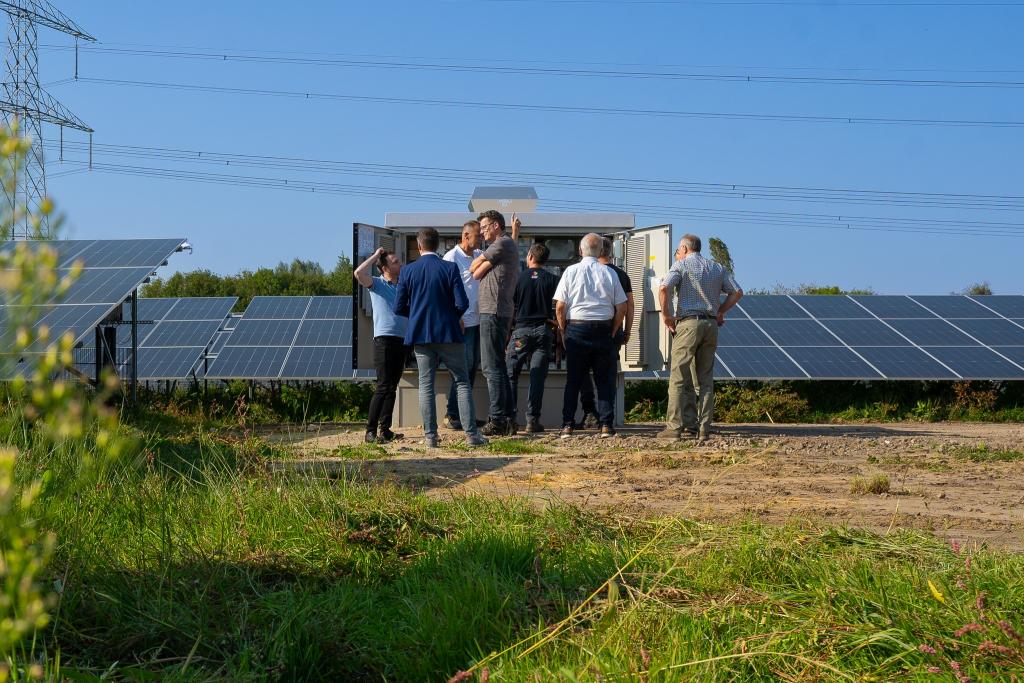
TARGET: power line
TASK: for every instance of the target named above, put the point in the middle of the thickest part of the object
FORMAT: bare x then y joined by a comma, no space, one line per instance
547,71
775,219
564,109
587,183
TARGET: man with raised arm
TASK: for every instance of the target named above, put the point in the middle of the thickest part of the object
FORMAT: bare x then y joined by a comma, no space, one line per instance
699,312
389,349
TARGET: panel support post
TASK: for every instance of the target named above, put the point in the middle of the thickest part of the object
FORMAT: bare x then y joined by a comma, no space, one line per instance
135,347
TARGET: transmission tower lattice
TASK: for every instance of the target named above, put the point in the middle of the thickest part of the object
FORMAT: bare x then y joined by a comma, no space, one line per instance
24,100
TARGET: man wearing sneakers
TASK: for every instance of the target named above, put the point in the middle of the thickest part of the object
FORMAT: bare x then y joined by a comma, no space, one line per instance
389,349
463,255
431,294
590,306
699,312
533,333
497,269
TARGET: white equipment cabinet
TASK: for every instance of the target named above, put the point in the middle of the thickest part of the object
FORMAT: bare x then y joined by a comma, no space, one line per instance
646,254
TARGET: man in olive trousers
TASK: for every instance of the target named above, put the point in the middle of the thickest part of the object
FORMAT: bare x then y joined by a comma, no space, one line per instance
698,313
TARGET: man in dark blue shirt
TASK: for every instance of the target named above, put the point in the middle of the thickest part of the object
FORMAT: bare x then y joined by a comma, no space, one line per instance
532,333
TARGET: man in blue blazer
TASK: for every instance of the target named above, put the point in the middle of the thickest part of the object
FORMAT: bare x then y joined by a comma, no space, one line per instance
431,295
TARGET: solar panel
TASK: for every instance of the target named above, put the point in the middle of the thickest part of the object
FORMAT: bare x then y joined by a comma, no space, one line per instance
759,306
263,332
1014,353
314,334
279,307
312,362
798,333
111,269
831,306
977,362
932,332
1005,305
324,307
822,362
954,307
759,363
181,333
865,332
248,362
992,331
892,306
904,362
741,332
327,333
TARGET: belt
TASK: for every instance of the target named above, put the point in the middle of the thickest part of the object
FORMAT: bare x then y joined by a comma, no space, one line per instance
591,323
697,316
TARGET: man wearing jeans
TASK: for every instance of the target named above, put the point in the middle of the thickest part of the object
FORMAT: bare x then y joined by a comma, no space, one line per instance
699,312
498,270
590,305
462,255
533,337
431,295
389,349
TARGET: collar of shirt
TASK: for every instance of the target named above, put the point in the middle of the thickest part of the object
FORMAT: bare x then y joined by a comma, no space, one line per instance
589,259
429,253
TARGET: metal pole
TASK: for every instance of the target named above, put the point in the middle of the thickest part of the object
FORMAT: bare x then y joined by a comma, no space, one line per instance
135,346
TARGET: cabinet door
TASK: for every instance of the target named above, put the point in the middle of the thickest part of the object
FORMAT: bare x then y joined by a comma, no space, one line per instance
366,239
646,257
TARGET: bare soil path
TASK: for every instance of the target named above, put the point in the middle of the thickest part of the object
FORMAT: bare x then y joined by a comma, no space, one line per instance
959,480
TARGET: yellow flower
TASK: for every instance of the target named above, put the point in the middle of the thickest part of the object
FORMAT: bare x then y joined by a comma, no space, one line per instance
936,593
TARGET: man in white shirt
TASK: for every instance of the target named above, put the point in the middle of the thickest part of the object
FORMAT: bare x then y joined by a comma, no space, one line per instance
462,256
590,306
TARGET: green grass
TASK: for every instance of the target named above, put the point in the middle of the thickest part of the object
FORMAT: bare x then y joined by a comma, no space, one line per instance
877,484
362,451
982,453
516,447
189,561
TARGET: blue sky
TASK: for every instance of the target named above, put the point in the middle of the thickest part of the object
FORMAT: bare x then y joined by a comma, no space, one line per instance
236,228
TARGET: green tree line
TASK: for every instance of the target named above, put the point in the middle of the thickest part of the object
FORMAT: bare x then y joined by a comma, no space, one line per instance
298,278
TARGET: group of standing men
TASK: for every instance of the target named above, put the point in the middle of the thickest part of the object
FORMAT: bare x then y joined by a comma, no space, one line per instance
477,308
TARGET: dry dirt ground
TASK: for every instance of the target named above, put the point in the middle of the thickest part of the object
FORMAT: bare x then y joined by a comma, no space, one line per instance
944,478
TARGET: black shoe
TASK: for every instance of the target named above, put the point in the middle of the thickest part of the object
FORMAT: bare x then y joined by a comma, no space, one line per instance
388,436
370,437
495,428
452,423
534,427
513,427
607,432
566,432
692,431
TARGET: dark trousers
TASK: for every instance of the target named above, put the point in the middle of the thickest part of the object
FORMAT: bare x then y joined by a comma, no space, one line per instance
588,348
389,354
493,337
587,389
531,345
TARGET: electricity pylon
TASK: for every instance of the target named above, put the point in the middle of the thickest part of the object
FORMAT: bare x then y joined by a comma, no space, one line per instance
24,100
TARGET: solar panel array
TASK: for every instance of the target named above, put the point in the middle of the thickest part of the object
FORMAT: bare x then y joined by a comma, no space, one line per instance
289,338
873,337
111,270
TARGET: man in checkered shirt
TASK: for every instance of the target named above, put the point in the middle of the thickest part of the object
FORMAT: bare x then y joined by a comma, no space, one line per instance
694,326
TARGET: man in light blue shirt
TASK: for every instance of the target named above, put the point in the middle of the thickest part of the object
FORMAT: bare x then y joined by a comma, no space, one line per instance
389,349
463,255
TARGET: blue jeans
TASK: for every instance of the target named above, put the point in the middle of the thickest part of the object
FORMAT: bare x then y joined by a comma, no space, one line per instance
472,335
428,356
588,348
493,337
533,345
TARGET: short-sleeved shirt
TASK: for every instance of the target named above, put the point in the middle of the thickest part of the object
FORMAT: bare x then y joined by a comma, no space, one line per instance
382,298
590,290
701,283
535,292
498,287
456,255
